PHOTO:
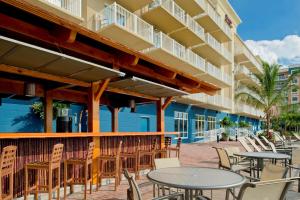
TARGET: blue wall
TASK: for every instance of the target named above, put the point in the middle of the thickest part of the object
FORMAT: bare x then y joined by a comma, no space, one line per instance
16,116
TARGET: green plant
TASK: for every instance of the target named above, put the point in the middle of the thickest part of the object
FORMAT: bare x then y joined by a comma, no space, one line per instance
226,122
265,96
38,108
244,124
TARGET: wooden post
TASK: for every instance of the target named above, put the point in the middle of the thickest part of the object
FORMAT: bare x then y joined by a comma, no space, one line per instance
48,112
160,122
114,119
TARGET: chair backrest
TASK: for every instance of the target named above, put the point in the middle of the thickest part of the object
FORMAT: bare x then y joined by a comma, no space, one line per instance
265,139
296,157
56,155
8,157
232,150
119,149
135,193
90,153
260,143
166,162
179,140
267,190
252,142
224,161
278,138
273,147
244,144
168,142
296,135
273,172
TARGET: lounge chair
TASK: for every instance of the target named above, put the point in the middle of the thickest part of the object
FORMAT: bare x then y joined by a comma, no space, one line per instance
296,136
244,144
224,161
275,149
253,144
134,193
263,146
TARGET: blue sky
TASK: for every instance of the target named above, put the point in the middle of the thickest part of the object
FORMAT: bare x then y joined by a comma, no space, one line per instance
271,28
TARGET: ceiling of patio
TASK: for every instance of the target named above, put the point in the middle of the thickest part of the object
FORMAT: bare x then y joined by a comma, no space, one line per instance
19,54
146,87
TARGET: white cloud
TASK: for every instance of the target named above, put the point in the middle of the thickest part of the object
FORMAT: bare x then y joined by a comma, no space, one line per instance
285,51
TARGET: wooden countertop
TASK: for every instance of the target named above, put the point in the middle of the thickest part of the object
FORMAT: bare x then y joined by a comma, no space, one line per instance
76,135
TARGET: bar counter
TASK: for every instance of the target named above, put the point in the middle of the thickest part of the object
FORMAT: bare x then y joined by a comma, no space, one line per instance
38,147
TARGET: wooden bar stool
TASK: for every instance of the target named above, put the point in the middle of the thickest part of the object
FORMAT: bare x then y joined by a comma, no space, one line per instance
160,152
7,162
87,164
49,166
130,157
145,158
176,148
110,166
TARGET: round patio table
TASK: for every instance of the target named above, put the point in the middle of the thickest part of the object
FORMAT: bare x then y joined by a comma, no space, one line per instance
260,156
192,178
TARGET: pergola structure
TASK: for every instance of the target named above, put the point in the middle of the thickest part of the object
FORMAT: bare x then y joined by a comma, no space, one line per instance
71,63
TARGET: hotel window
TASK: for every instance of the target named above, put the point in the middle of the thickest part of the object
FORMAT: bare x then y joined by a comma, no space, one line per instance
211,123
181,123
294,90
294,99
199,125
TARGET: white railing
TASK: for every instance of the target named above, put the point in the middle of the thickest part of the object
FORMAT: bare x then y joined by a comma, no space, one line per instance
116,14
74,7
216,100
201,3
195,60
227,54
241,69
171,7
218,20
195,27
227,78
213,71
211,41
243,108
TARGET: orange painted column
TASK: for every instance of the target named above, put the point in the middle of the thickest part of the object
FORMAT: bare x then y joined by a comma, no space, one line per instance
160,123
48,112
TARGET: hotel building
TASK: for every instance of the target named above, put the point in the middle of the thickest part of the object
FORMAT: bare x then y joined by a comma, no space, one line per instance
197,38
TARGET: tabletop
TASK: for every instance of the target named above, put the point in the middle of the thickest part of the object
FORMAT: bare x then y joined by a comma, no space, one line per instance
265,155
193,178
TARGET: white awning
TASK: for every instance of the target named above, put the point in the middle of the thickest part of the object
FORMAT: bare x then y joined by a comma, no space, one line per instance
24,55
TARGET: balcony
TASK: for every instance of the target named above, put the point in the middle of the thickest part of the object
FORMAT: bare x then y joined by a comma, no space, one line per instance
192,7
212,22
70,10
207,101
192,34
244,75
247,110
173,54
244,56
119,24
134,5
214,51
215,76
165,14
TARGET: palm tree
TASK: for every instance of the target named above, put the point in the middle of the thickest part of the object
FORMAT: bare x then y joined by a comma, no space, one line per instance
265,96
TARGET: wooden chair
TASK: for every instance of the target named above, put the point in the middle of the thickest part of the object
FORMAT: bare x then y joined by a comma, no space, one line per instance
176,148
145,158
87,164
52,165
7,162
161,152
110,166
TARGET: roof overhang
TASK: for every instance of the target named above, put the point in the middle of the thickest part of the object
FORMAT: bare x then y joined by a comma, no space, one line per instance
24,55
146,87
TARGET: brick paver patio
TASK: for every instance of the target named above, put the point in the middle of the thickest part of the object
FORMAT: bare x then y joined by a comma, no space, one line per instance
197,154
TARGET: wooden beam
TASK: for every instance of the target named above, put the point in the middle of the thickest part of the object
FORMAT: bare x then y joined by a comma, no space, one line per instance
41,75
101,88
160,123
48,112
93,110
63,34
131,93
167,102
70,95
114,118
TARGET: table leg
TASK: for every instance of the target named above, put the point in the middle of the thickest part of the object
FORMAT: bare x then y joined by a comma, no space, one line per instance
227,194
186,195
257,168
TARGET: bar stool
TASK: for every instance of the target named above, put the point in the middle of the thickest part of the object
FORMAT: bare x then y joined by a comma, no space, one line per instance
127,157
87,164
176,148
49,166
160,152
143,155
7,162
110,167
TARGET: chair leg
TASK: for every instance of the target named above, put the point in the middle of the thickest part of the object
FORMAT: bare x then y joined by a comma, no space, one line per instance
85,180
58,184
72,180
26,183
50,184
65,179
91,178
11,185
36,185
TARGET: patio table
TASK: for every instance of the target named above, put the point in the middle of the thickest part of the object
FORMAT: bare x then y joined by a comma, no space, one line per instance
194,178
260,156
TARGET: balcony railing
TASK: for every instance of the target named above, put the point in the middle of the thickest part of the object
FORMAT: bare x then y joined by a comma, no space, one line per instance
216,100
243,108
213,71
195,60
74,7
211,41
171,7
201,3
218,20
227,78
116,14
243,70
195,27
